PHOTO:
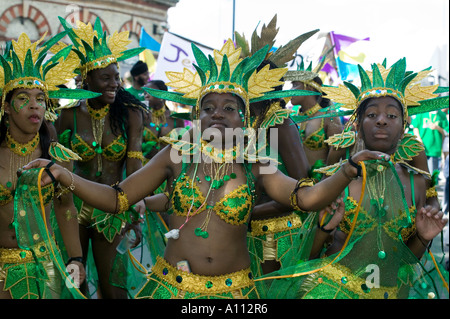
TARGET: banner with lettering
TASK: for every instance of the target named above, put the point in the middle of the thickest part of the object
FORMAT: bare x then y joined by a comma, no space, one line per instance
175,55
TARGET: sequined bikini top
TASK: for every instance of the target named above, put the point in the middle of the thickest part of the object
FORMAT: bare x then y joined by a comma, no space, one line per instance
115,151
316,140
366,222
7,195
234,208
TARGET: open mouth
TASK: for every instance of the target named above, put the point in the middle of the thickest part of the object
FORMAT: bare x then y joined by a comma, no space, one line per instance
34,119
110,94
218,125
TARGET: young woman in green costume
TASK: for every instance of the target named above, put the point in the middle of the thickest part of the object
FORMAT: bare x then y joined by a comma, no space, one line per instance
35,248
215,183
374,245
106,132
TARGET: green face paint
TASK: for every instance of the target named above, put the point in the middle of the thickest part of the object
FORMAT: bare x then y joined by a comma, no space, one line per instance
22,100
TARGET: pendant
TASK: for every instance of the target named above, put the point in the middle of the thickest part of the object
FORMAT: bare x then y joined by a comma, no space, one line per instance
201,233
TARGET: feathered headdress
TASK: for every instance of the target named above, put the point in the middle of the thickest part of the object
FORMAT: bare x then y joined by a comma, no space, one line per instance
226,72
24,65
279,57
94,48
404,86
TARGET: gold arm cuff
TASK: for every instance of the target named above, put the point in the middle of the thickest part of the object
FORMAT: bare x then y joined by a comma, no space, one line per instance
135,154
303,182
431,192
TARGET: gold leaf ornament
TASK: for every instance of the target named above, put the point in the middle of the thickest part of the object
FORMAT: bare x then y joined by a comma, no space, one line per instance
341,95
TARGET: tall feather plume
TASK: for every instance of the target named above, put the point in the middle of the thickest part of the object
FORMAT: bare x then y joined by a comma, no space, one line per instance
286,53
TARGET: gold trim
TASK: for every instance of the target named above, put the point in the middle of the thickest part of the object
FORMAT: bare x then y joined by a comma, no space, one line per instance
337,273
275,225
22,149
201,284
19,256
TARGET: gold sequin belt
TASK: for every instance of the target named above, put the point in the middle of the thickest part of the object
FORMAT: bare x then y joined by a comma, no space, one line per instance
19,256
201,284
343,275
275,225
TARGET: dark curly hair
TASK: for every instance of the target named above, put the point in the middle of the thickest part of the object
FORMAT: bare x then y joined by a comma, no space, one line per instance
119,114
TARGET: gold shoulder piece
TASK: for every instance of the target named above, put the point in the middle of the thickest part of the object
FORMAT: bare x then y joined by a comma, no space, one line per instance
415,169
62,153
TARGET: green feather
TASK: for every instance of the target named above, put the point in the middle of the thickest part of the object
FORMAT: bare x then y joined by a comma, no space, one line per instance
377,78
51,42
213,72
6,68
70,33
404,83
200,58
365,80
80,56
98,51
200,73
89,52
48,68
130,53
17,66
224,70
353,88
237,73
98,27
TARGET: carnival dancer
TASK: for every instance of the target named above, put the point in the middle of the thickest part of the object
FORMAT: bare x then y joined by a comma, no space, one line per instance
375,244
106,132
36,244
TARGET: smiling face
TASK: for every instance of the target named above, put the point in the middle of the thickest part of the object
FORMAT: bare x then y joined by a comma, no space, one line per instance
218,112
26,110
105,81
381,124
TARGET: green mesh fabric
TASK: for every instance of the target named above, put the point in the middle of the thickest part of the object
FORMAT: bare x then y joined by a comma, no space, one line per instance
376,264
48,278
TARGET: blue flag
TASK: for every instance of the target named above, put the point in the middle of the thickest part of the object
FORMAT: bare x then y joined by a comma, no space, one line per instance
148,42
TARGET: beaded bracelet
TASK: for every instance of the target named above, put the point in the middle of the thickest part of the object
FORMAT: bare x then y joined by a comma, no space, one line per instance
64,190
302,182
431,192
122,199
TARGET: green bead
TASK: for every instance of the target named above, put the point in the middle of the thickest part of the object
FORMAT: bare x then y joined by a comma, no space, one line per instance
381,254
207,178
9,184
233,175
226,178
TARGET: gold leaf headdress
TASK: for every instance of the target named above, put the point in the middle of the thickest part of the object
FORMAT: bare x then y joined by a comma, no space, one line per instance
226,72
395,82
23,66
95,49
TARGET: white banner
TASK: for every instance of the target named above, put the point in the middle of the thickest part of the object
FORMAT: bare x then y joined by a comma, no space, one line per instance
175,55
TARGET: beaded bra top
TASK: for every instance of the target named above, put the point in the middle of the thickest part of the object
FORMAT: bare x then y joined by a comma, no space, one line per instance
234,208
115,151
7,195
